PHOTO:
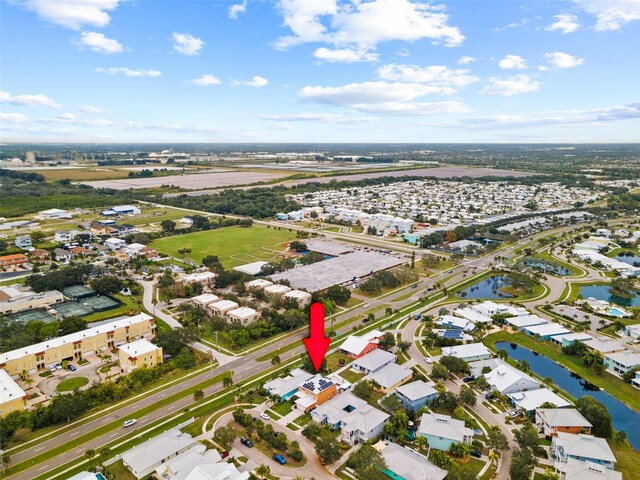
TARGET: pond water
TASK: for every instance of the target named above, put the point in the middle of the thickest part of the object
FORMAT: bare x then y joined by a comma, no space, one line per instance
555,269
489,288
629,258
601,292
623,417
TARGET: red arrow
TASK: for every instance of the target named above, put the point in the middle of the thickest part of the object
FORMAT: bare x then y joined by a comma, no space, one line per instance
316,344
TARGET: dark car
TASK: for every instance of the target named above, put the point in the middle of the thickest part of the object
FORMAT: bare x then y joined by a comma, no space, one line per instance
71,367
468,379
246,441
224,454
279,458
476,453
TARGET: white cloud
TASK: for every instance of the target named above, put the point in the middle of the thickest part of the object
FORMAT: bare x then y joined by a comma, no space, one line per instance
67,116
90,109
438,75
611,14
510,85
13,117
345,55
363,25
550,118
513,62
466,60
99,43
206,80
563,60
317,117
237,9
564,23
71,13
403,52
257,82
187,44
382,97
28,100
520,23
128,72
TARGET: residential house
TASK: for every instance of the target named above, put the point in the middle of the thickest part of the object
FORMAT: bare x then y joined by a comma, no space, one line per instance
620,363
62,255
582,447
524,321
287,386
546,331
12,397
333,411
416,395
204,300
390,377
569,338
79,251
243,315
469,352
40,256
62,236
404,463
277,290
115,244
314,392
456,323
363,425
258,284
531,400
583,470
636,381
141,353
15,261
604,345
550,421
301,297
442,431
356,346
373,361
506,379
204,277
632,330
472,315
23,242
143,459
134,248
180,466
220,308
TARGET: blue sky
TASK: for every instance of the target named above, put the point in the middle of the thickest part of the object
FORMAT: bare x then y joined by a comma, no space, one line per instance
320,71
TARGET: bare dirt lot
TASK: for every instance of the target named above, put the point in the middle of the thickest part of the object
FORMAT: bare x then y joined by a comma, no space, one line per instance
189,182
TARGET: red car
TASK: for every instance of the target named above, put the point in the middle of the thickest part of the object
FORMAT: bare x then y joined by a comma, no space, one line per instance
224,454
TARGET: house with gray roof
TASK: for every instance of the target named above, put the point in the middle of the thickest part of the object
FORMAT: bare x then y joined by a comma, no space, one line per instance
402,462
416,395
582,447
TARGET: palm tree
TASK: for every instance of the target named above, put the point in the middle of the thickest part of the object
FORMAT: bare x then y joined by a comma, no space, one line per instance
263,470
28,381
90,453
227,381
422,442
494,456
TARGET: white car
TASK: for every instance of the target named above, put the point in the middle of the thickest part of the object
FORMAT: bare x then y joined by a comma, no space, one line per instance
130,422
428,360
58,366
265,416
52,368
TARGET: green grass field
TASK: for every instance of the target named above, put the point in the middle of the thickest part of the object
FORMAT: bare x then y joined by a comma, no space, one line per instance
72,383
233,245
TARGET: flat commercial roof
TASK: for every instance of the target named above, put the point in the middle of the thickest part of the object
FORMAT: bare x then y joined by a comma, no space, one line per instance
251,268
327,247
322,275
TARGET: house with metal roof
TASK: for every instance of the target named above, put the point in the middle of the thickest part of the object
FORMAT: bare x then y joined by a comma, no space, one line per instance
416,395
550,421
532,399
390,377
405,463
442,431
583,448
373,361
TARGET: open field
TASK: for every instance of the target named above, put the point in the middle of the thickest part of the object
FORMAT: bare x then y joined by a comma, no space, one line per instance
81,174
189,182
233,245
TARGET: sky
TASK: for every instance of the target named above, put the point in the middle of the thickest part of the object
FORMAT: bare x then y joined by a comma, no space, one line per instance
107,71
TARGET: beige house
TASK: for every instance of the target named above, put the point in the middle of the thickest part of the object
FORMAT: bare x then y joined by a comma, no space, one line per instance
243,315
204,300
219,309
277,290
258,284
141,353
12,397
302,298
37,357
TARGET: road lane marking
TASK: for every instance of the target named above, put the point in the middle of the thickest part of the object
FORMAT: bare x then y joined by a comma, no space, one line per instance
38,449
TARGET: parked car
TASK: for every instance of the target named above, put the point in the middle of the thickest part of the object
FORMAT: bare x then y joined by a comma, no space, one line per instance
58,366
468,379
265,416
52,368
476,453
513,414
71,367
246,442
429,360
130,422
279,458
224,454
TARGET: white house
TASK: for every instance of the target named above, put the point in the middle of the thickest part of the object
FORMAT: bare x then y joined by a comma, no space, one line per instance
199,277
115,244
582,447
62,236
53,213
530,400
204,300
362,425
632,330
179,467
620,363
390,376
301,297
221,307
277,290
584,470
143,459
550,421
243,315
469,352
258,284
507,379
373,361
442,431
409,464
134,248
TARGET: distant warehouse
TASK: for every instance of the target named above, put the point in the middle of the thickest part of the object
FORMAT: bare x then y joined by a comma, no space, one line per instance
335,271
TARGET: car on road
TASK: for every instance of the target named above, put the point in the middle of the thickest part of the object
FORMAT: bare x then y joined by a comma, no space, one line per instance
279,458
130,422
428,360
265,416
71,367
246,442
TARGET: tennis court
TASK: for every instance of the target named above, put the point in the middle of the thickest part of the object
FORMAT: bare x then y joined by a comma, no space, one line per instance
32,315
100,303
78,291
72,309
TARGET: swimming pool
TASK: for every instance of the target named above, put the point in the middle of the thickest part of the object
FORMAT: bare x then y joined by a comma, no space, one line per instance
99,476
616,312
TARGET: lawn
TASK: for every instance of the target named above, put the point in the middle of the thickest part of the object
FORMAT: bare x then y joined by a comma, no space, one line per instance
233,245
282,408
155,215
351,376
337,360
627,458
119,471
72,383
615,386
82,174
